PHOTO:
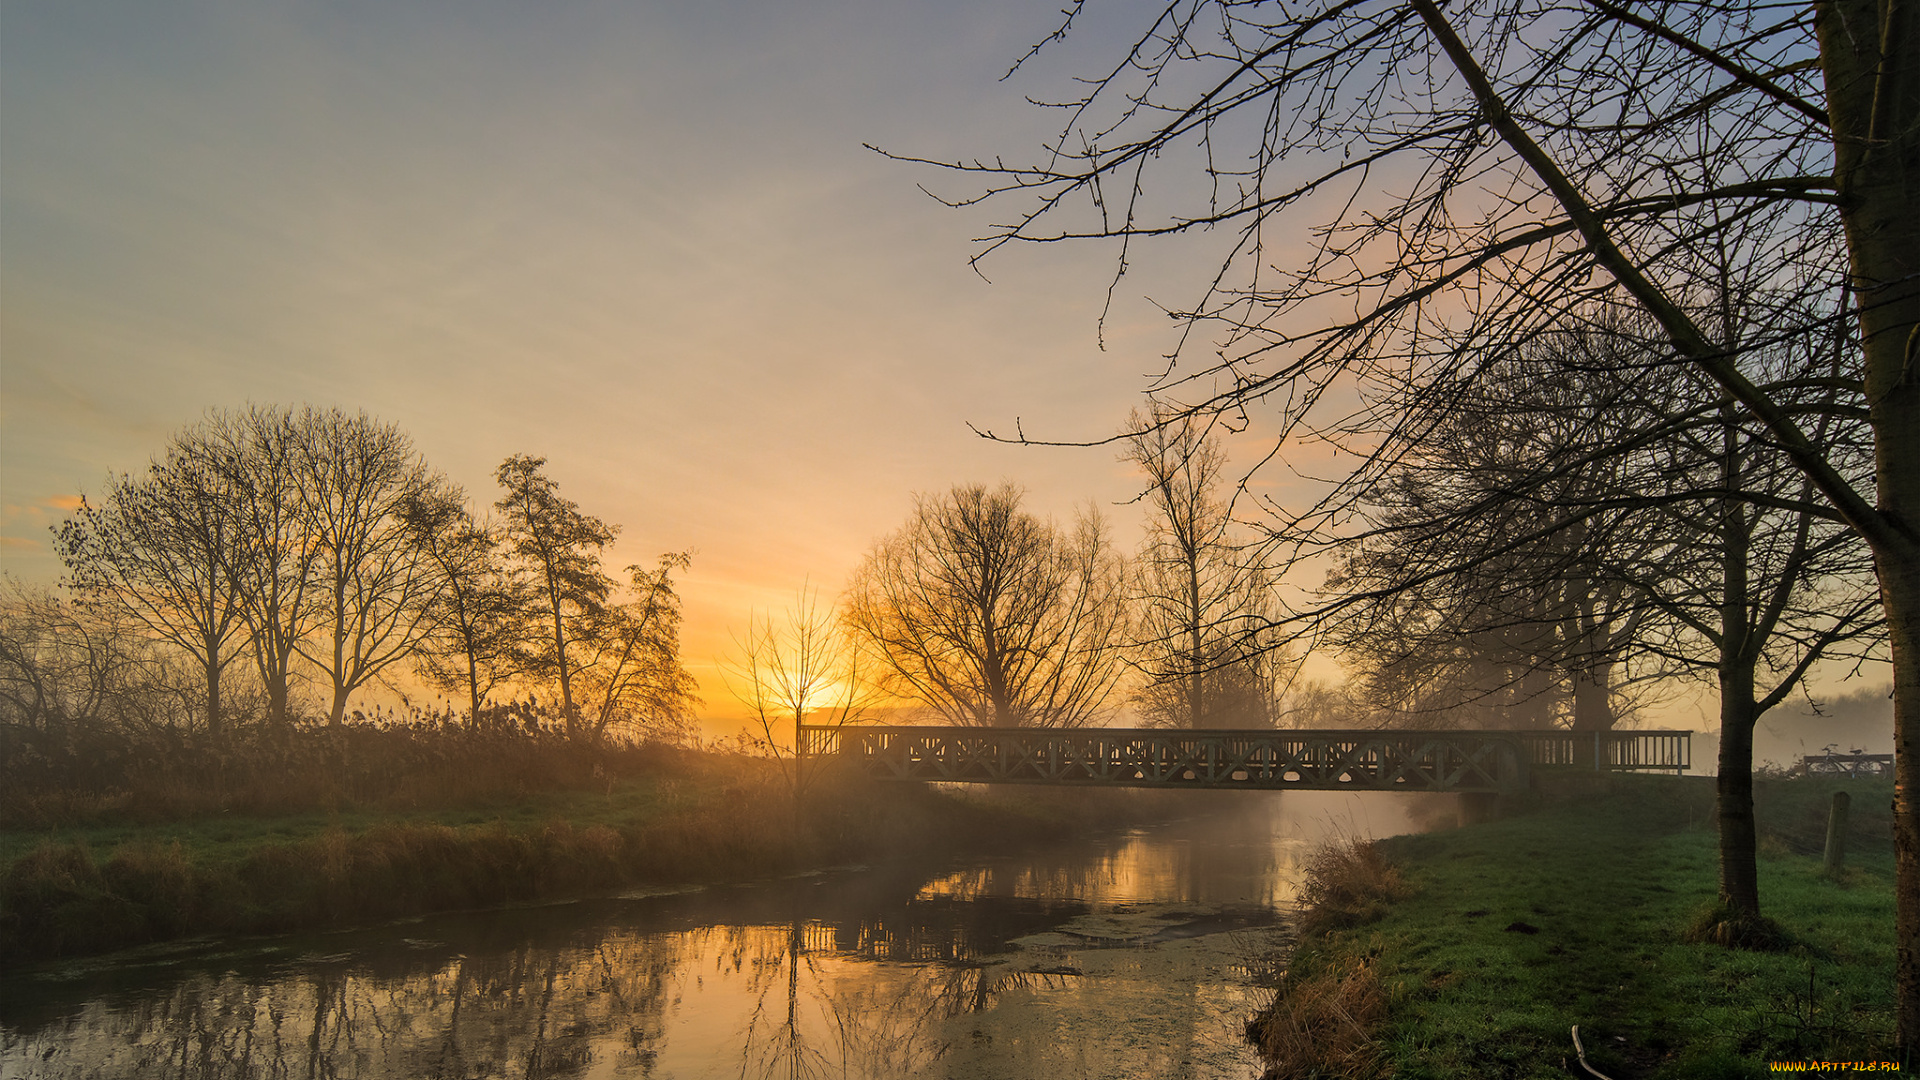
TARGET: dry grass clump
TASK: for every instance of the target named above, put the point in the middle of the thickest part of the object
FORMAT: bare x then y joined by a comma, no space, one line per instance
1322,1018
1349,882
1321,1025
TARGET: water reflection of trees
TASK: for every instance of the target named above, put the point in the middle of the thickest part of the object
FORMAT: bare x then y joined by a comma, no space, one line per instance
819,1012
530,1012
860,997
856,980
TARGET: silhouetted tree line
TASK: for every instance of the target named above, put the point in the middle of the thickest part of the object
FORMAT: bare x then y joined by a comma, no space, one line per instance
1541,557
268,549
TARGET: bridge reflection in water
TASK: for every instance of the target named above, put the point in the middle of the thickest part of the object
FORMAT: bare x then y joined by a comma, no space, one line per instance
1265,759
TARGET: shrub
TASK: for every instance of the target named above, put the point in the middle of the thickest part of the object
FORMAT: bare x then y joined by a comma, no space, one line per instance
1348,883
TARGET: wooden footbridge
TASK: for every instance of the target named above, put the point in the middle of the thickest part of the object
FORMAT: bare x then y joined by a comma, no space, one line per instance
1265,759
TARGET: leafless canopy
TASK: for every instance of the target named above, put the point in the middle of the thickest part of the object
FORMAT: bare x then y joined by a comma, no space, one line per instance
989,616
1203,602
799,667
1577,514
1376,226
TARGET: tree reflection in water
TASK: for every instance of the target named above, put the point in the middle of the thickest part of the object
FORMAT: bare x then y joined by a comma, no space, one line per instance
822,1019
528,1012
1124,949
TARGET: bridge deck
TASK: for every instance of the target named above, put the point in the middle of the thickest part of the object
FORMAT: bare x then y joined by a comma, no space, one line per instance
1261,759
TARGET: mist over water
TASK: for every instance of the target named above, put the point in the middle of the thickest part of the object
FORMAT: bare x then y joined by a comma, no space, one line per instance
1144,951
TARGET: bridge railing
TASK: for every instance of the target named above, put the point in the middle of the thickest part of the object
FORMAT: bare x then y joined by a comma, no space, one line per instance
1268,758
1147,757
1617,751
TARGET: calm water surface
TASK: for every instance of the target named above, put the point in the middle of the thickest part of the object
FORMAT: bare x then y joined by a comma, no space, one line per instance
1137,955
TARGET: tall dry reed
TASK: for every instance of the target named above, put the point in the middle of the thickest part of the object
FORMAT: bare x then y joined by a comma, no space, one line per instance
1321,1025
1348,882
382,762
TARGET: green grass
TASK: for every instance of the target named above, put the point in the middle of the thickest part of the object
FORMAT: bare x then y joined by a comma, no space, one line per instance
1576,913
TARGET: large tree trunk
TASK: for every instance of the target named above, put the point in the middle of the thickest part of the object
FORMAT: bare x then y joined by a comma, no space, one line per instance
1593,696
1870,56
1739,872
1196,680
338,714
566,674
274,675
1593,647
1900,588
1739,876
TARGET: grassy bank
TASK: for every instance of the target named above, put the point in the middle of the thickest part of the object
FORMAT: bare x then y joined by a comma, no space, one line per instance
1472,953
108,882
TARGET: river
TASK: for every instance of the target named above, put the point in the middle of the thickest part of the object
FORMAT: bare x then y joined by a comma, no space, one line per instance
1139,954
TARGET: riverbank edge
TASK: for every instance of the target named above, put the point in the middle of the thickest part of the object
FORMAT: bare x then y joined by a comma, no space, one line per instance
73,894
1488,943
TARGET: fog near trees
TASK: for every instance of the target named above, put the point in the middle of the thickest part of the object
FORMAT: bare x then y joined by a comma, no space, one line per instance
1204,603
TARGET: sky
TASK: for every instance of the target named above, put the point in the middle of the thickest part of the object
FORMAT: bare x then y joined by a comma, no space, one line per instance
642,240
646,241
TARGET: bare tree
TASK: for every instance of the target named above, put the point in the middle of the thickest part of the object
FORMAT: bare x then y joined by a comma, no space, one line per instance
560,546
283,528
1466,177
258,457
1202,602
799,668
1481,593
1316,703
478,613
1762,584
374,579
988,616
158,549
1582,509
67,669
628,664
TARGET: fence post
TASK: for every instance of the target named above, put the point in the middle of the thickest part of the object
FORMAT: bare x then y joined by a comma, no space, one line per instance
1837,833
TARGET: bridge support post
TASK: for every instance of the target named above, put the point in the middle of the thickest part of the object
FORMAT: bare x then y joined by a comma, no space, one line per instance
1478,807
1514,768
